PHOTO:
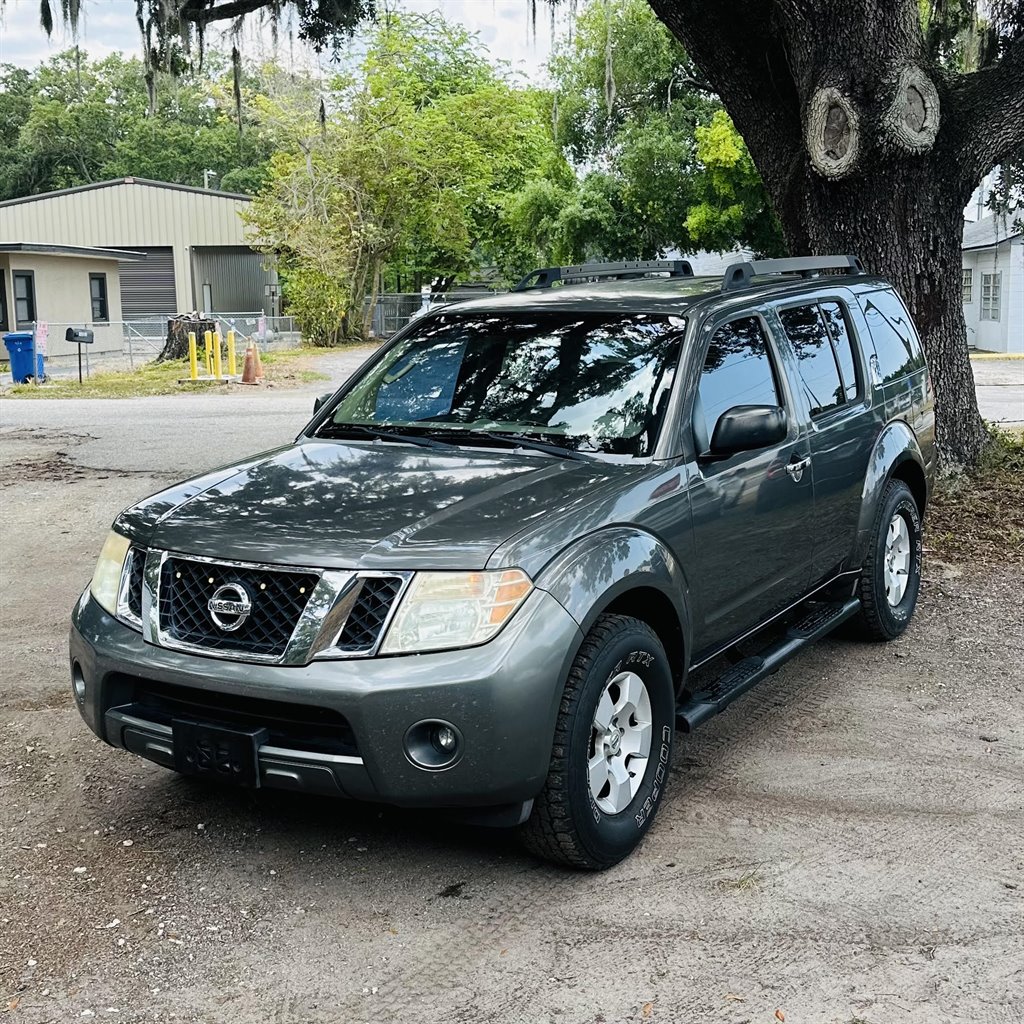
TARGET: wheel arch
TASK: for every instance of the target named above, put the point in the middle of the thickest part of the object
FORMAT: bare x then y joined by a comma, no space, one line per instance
896,456
625,571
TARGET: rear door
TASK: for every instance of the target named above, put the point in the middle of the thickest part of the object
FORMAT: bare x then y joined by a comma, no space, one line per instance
753,511
832,375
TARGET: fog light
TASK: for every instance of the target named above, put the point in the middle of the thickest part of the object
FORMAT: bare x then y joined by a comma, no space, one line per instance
433,745
78,682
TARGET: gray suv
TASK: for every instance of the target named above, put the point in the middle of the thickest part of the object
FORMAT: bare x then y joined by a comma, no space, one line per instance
532,538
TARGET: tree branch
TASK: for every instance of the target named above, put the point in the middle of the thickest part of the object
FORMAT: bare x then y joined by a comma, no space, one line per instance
989,109
200,12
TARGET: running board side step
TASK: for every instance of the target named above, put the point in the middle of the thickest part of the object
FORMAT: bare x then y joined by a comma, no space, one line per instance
818,620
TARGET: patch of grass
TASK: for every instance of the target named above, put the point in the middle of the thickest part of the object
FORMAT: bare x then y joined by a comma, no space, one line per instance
746,882
283,368
979,516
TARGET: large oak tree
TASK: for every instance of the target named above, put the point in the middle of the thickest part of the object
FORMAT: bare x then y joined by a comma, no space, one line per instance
869,142
868,136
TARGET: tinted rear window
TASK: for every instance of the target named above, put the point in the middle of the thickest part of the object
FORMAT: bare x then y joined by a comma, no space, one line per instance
812,344
895,339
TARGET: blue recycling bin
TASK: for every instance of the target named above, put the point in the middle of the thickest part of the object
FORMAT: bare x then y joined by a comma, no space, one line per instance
19,345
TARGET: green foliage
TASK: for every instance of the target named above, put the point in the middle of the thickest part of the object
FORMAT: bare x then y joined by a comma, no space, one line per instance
415,174
733,204
631,109
621,67
72,121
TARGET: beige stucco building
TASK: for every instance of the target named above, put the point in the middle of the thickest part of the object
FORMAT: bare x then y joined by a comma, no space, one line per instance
62,286
193,241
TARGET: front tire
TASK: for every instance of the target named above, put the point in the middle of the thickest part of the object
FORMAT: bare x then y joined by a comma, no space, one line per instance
612,749
891,577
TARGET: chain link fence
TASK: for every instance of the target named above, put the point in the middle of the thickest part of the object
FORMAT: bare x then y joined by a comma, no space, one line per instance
393,310
129,344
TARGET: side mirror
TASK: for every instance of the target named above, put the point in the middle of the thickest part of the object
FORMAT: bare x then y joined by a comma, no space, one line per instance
320,402
744,428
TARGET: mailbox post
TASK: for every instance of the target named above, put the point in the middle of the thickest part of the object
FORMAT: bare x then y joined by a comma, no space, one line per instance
79,336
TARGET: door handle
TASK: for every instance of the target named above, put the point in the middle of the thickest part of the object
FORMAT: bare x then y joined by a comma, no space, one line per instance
796,467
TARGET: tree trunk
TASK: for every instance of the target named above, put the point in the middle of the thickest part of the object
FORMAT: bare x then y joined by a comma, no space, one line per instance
905,221
867,147
176,345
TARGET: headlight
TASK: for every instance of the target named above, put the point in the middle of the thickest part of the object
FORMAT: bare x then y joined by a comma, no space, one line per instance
106,580
441,610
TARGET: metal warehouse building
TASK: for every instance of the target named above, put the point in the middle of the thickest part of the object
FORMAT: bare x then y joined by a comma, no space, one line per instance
192,240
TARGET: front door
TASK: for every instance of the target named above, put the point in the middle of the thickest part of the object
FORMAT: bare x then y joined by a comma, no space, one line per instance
751,511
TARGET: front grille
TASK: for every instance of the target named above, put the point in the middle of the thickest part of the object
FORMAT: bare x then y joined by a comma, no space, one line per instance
369,613
296,726
136,569
277,596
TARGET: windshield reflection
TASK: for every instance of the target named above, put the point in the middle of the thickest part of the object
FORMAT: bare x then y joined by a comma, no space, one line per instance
594,382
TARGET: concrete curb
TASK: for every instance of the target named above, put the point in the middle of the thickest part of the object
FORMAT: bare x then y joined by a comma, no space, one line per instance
997,355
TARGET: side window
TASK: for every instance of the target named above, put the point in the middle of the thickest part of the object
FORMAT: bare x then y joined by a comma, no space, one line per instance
98,296
842,341
895,339
809,336
24,282
3,301
737,371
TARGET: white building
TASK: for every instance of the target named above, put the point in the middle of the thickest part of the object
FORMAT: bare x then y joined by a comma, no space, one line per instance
993,284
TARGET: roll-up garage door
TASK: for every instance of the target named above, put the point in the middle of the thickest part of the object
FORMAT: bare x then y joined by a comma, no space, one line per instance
147,286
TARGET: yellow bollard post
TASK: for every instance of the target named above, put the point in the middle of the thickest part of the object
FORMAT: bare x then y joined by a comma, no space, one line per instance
216,355
232,365
208,342
193,356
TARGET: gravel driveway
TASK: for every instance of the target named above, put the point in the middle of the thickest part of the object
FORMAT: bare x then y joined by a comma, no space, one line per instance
844,845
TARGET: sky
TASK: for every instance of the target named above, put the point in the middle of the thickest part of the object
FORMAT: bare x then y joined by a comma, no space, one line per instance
108,26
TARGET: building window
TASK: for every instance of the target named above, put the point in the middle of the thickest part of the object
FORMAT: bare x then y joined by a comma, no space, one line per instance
968,285
98,294
991,286
24,297
4,326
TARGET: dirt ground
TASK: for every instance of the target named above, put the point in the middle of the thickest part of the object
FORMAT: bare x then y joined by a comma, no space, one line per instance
844,845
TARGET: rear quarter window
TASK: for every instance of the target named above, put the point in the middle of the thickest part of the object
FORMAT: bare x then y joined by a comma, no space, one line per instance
893,334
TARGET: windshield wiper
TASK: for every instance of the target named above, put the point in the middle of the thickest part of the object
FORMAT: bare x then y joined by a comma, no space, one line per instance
383,434
520,441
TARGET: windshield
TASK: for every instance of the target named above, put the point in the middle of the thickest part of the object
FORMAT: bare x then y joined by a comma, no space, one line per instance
597,382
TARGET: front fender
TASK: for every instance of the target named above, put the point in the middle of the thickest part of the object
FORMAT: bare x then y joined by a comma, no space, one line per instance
896,445
591,573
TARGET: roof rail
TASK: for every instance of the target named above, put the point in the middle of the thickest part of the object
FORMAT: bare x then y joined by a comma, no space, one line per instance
545,277
741,275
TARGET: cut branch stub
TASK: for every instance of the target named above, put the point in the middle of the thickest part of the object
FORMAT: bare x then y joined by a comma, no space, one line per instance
912,119
832,133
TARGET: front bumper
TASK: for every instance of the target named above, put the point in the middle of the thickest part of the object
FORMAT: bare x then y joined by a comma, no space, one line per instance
502,696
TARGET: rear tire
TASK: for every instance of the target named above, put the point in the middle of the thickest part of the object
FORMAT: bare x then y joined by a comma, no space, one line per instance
891,577
611,752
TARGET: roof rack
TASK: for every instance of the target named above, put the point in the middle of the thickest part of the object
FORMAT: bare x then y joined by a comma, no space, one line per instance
545,277
741,275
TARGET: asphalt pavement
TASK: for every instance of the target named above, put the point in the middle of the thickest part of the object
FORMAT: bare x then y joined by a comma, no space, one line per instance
1000,387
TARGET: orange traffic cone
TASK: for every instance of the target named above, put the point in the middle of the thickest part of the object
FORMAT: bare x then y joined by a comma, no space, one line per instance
249,367
257,360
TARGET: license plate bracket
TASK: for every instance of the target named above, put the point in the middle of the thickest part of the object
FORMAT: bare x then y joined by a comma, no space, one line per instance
215,751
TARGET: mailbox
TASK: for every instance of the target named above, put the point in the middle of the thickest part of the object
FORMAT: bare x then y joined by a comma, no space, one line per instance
78,336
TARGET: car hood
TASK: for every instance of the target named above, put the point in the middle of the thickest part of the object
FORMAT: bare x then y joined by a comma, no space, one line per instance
374,505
